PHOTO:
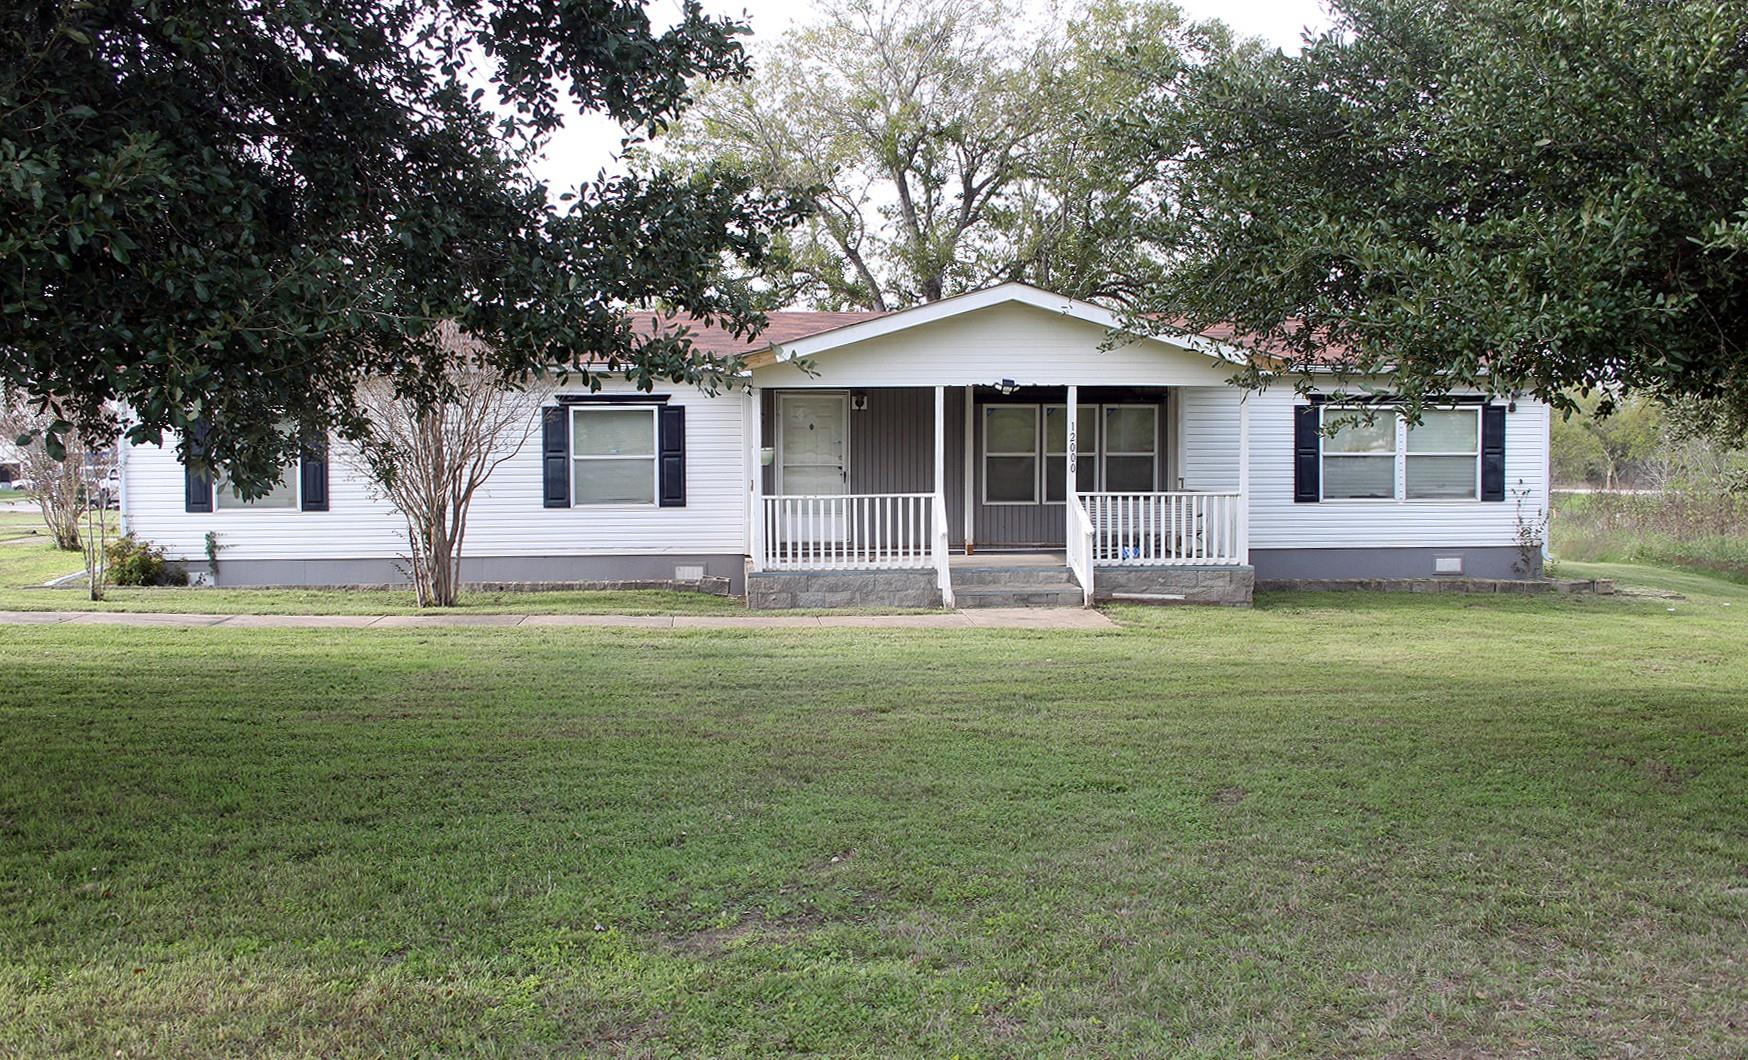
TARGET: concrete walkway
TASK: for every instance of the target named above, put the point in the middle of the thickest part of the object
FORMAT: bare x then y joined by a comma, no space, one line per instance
990,618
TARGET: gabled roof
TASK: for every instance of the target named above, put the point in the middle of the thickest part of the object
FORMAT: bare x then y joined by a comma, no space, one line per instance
789,334
874,325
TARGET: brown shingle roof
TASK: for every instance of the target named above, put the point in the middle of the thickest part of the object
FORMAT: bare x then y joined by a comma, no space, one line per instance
781,326
788,325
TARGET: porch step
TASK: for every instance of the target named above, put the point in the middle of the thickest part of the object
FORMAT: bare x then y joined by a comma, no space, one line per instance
1016,585
1011,576
1062,594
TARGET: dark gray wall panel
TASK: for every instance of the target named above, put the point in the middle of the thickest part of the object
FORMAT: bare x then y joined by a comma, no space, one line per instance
257,572
1282,563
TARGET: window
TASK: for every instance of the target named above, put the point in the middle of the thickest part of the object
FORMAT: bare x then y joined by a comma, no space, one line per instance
1010,454
1385,458
1359,459
1131,448
282,495
613,455
1444,455
1086,468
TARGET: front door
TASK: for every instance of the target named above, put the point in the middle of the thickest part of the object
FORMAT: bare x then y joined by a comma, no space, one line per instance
813,459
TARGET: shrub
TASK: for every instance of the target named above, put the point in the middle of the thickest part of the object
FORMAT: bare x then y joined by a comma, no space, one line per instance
136,562
1699,529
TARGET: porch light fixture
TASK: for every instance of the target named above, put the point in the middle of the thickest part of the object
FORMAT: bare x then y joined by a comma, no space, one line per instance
1006,387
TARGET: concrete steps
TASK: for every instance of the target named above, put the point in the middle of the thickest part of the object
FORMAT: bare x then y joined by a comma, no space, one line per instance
1015,586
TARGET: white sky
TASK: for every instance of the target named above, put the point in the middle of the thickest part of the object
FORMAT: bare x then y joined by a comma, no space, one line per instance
590,144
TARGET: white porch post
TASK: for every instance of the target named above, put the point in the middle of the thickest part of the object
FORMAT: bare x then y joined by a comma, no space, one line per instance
970,464
941,442
754,421
1244,478
1072,427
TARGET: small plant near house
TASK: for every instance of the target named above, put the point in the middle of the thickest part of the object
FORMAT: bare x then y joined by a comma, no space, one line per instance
136,562
213,546
1531,533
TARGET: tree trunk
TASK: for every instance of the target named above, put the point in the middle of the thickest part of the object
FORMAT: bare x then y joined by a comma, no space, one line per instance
62,522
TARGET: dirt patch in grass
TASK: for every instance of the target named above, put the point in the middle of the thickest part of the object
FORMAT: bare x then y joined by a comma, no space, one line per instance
1231,795
753,926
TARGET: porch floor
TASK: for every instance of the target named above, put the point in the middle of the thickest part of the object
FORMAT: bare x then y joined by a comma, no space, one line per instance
1041,558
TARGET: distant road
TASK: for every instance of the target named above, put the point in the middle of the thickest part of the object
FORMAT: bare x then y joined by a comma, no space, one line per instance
1621,492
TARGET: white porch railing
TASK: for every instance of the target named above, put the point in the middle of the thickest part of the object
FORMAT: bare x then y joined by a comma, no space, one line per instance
857,531
1166,529
943,569
1081,536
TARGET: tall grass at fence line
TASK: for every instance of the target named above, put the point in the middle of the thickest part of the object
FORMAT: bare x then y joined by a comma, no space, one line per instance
1680,528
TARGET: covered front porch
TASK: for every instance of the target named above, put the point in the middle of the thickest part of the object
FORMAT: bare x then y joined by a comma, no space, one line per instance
997,493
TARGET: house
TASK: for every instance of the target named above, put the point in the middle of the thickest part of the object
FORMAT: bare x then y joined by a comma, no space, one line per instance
990,448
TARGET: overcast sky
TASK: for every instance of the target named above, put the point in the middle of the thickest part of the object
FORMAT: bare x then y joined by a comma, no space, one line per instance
589,144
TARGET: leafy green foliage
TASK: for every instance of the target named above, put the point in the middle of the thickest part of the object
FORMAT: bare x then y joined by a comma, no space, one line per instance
231,215
942,146
1609,445
1547,197
136,562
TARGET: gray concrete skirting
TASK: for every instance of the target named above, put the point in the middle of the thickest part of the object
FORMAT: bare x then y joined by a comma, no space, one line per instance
1226,586
701,572
1602,586
776,590
1344,564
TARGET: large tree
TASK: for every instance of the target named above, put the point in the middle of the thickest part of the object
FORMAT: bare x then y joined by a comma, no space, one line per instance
941,145
230,215
1544,197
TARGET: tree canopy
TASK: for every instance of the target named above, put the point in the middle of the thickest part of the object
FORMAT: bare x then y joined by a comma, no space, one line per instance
1543,197
942,145
228,215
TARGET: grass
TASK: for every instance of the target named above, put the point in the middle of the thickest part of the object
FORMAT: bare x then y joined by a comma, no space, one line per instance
1341,824
1706,532
365,602
28,559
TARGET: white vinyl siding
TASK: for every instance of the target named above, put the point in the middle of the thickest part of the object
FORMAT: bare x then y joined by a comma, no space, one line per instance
1031,346
1211,432
508,517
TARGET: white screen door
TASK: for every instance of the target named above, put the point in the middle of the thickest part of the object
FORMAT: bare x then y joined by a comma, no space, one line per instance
813,458
813,448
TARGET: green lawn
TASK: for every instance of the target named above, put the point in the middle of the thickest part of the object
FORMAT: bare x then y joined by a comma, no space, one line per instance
1333,825
28,559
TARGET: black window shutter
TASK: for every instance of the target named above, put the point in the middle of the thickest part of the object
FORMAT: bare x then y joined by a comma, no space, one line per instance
1493,452
555,457
313,467
1307,454
673,455
196,485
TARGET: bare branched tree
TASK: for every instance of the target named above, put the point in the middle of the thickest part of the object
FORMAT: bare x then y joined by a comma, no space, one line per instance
99,493
59,484
430,461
